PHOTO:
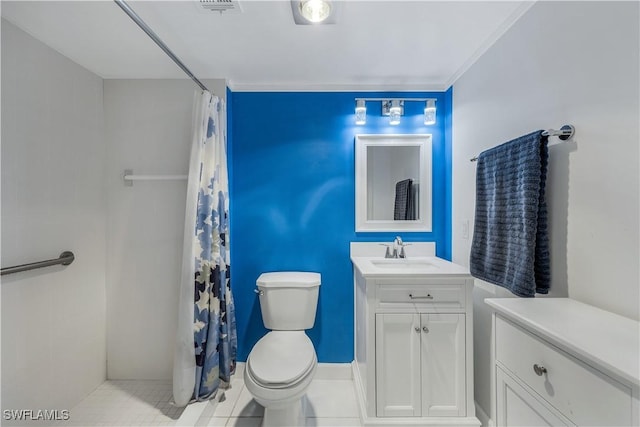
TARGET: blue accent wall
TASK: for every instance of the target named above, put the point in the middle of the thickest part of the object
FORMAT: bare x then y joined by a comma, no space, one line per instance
292,192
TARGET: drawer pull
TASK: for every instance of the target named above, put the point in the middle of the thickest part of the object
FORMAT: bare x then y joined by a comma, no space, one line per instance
428,296
539,370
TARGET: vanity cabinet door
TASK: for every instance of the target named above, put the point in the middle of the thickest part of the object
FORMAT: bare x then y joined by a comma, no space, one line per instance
398,379
443,365
517,407
420,365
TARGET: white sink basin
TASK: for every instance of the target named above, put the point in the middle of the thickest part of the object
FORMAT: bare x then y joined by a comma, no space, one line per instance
369,261
402,263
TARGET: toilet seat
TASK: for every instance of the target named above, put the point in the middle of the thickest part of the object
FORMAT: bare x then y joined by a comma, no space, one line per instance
281,359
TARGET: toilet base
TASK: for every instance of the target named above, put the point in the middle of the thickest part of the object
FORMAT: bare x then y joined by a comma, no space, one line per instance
292,415
283,401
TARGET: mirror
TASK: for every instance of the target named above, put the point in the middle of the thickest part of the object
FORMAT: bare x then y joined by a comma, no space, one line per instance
393,182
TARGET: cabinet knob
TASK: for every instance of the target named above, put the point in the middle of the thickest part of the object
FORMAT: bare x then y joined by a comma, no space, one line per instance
425,329
539,370
417,328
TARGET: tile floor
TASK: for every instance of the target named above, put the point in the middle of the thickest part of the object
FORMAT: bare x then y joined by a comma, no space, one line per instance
328,403
148,403
126,403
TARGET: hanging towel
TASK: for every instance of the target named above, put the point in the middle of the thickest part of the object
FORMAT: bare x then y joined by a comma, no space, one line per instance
510,243
403,199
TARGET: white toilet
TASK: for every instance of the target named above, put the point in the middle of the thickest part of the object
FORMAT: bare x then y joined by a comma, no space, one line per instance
281,365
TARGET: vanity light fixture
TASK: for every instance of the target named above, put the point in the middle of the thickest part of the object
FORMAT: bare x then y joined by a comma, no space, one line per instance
361,112
394,108
395,112
430,112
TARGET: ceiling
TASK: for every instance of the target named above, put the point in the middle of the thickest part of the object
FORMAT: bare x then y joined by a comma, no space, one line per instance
374,45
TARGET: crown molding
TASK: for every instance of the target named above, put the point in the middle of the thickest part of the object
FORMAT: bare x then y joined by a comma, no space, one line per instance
490,41
336,87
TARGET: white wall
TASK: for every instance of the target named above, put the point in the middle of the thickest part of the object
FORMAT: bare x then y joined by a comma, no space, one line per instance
148,129
562,62
53,199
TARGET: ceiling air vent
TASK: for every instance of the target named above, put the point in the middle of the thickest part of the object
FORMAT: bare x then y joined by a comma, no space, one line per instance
227,6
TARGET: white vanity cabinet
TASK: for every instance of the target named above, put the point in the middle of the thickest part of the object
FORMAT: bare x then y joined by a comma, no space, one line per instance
558,362
420,360
413,344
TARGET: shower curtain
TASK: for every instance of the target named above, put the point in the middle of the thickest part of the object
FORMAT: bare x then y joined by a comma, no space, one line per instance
206,344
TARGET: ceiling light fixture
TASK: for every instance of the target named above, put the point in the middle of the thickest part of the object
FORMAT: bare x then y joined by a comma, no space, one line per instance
315,10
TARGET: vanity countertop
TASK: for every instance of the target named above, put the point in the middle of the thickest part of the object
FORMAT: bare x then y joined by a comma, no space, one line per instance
608,340
430,266
421,261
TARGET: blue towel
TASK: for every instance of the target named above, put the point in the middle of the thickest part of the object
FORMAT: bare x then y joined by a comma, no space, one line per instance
510,242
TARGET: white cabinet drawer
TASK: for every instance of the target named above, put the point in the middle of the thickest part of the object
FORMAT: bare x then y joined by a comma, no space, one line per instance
517,407
583,394
445,295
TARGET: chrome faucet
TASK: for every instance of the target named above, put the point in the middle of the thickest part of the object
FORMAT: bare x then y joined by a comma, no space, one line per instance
398,244
395,249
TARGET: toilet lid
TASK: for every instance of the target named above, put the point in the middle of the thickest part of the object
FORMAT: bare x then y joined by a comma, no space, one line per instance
281,357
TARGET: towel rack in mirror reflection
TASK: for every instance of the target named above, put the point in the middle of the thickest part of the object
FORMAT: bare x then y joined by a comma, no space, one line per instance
564,133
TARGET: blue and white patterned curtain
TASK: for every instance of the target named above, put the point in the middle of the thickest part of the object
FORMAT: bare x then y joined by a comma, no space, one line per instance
206,341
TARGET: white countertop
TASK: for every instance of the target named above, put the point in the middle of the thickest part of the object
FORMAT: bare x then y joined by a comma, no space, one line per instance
417,267
605,340
421,261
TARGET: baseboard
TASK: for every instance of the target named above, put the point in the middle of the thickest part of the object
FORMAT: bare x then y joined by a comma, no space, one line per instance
483,417
333,371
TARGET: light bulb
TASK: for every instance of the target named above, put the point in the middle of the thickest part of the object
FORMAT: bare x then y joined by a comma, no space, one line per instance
430,112
361,112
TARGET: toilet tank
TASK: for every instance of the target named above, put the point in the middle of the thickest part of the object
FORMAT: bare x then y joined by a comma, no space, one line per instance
288,299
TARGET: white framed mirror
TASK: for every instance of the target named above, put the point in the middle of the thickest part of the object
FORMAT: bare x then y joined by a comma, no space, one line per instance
393,182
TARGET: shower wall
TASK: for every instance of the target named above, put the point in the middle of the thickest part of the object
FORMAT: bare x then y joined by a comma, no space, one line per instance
148,129
53,199
67,136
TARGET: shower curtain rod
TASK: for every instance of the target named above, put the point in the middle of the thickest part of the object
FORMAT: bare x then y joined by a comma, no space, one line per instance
134,16
564,133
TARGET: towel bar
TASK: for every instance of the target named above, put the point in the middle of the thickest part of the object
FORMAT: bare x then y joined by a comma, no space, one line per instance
65,258
129,177
564,133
